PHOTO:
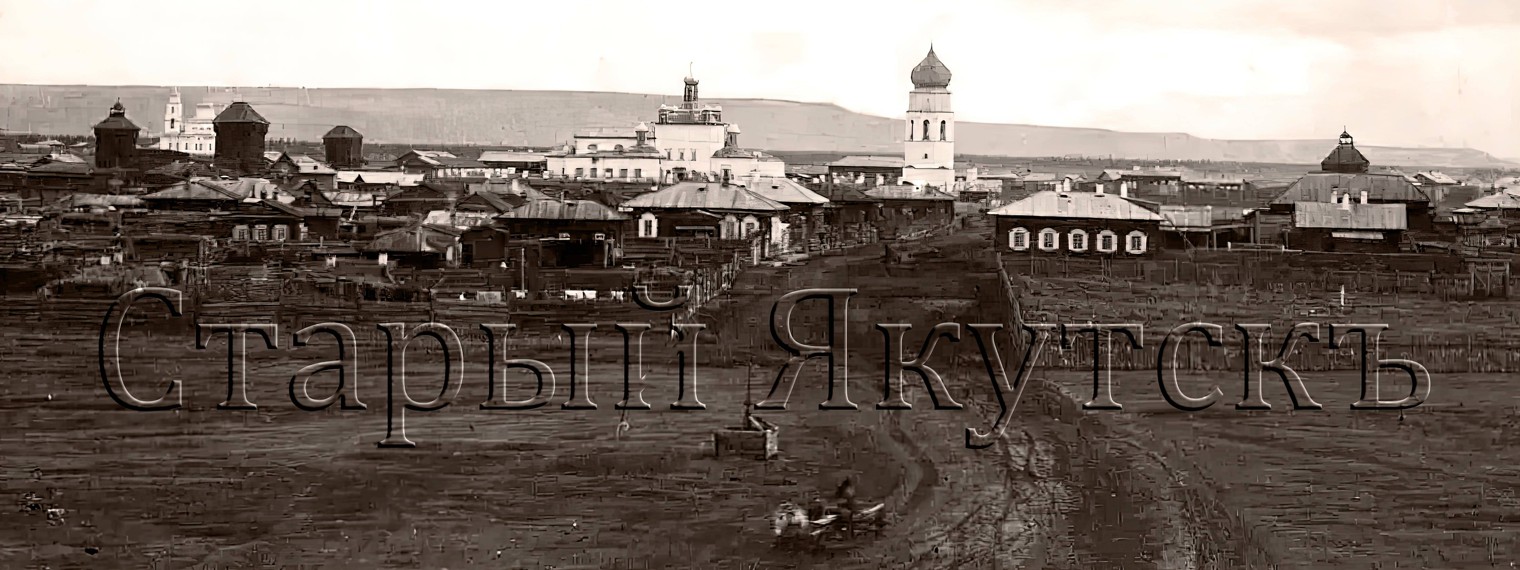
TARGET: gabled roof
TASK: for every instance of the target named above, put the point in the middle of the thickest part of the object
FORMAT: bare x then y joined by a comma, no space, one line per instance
197,189
1081,205
62,168
908,192
273,155
781,189
99,201
1436,177
426,156
415,239
514,187
1321,186
510,156
705,196
1351,216
495,201
240,112
846,195
868,162
379,177
307,165
1496,201
578,210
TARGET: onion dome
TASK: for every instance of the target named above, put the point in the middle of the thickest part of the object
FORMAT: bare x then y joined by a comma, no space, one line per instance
931,72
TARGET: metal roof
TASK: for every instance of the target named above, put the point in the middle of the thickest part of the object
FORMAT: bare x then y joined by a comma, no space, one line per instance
781,189
1085,205
1350,216
507,156
705,196
1320,187
1496,201
579,210
907,192
868,162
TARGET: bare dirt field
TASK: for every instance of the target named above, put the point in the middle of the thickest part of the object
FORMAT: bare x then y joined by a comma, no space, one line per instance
1434,487
552,488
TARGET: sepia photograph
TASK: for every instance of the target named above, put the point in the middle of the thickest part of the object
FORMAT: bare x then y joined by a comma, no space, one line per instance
966,284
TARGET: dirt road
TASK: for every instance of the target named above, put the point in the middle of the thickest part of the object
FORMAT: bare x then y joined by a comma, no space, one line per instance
207,488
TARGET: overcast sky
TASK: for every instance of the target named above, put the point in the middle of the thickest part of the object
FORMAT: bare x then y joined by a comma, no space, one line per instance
1426,73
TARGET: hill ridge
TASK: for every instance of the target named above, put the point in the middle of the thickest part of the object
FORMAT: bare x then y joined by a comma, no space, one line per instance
429,116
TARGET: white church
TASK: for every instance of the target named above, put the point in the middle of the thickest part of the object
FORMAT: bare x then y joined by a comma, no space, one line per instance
195,136
688,141
929,148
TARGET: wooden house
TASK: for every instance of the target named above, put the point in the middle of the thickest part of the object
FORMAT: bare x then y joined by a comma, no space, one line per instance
419,200
872,170
803,221
906,208
1327,187
562,233
1077,223
714,210
850,215
1347,226
419,246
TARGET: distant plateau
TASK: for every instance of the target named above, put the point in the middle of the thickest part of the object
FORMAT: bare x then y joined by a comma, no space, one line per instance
425,117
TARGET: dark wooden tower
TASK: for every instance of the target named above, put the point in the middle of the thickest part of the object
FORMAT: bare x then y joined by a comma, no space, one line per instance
345,147
240,133
116,140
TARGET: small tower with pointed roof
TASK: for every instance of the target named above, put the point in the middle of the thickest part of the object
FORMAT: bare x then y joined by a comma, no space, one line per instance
344,146
1345,158
929,146
116,140
240,133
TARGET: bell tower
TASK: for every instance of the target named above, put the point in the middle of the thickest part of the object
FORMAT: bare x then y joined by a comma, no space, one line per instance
174,114
929,146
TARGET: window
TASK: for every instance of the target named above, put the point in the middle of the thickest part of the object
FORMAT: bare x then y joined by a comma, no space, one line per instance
942,130
638,173
751,226
926,156
1077,240
1136,241
608,173
618,148
1049,239
1107,241
667,154
728,173
591,148
1018,239
926,129
260,232
729,229
579,172
649,226
240,233
281,232
683,154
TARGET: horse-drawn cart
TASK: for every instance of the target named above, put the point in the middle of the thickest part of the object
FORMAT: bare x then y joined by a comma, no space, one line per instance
794,525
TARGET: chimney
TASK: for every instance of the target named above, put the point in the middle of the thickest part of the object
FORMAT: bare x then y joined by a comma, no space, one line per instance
1364,197
1098,189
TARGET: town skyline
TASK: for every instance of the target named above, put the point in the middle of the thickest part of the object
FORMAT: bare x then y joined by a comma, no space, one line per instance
1294,75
